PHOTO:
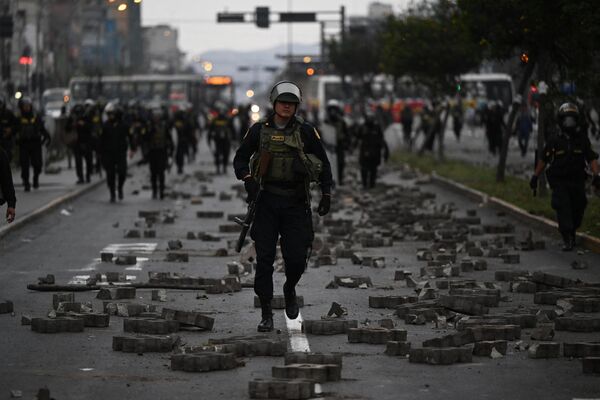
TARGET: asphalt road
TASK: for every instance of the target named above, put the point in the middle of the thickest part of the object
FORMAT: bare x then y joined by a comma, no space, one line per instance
84,366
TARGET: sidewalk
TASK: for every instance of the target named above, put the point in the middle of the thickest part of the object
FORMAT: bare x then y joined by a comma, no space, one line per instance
55,188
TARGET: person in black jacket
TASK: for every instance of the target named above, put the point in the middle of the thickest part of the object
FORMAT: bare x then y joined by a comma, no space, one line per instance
114,141
8,124
277,159
31,137
567,154
7,189
159,144
372,146
83,148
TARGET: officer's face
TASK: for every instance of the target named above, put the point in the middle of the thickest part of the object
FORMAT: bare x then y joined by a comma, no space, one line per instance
285,109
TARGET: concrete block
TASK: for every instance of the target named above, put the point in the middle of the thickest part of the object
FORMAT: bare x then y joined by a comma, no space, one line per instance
523,287
394,348
127,309
486,347
552,280
177,257
125,259
453,340
591,365
315,372
204,362
189,318
353,281
149,233
230,228
375,335
278,302
144,344
390,301
495,332
581,349
312,358
463,305
543,332
400,275
132,234
174,245
118,293
106,256
159,295
259,346
577,324
58,298
511,258
57,325
6,307
441,356
297,389
328,326
210,214
510,275
544,350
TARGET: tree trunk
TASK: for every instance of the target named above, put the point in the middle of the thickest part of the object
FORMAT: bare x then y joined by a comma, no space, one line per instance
522,90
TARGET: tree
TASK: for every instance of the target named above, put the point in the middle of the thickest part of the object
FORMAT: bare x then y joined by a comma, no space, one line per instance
562,36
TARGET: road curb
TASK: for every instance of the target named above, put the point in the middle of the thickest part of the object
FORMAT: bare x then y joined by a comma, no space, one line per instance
546,225
19,223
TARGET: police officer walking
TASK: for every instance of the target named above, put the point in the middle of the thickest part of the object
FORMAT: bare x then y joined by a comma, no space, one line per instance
83,146
277,159
567,154
372,146
32,135
7,189
335,116
114,140
159,145
185,139
220,132
7,129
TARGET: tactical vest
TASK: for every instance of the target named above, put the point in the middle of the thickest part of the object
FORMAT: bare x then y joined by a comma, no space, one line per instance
158,141
221,127
29,129
288,163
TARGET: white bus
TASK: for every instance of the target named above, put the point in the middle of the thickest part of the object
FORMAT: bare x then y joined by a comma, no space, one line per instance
487,87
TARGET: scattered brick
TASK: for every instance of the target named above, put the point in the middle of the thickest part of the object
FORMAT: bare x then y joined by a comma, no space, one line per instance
230,228
581,349
486,347
127,309
150,326
544,350
523,287
297,389
125,259
591,365
46,280
353,281
210,214
149,233
159,295
453,340
204,362
227,284
6,307
552,280
314,372
132,234
495,332
375,335
58,298
523,320
25,319
577,324
511,258
191,236
543,332
400,275
144,344
440,356
395,348
328,326
390,301
57,325
510,275
119,293
250,346
463,305
174,244
312,358
106,256
91,320
189,318
177,257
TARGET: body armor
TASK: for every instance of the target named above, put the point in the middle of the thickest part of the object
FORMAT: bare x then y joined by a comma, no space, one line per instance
29,129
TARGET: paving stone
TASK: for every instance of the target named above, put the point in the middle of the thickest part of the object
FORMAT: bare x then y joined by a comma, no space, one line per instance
375,335
453,340
581,349
6,307
250,346
106,256
400,275
90,320
191,236
120,293
316,372
159,295
25,319
353,281
150,326
424,255
204,362
74,307
328,326
174,245
207,237
58,298
487,300
144,344
552,280
57,325
181,280
544,350
397,348
463,305
577,324
227,284
237,268
440,356
523,320
230,228
132,234
475,252
297,389
148,213
390,301
591,365
485,348
149,233
113,277
523,287
189,318
125,259
278,302
429,310
543,332
581,304
441,271
495,332
46,280
210,214
127,309
510,275
177,257
511,258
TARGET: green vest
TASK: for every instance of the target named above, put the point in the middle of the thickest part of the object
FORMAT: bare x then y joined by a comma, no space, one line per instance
288,163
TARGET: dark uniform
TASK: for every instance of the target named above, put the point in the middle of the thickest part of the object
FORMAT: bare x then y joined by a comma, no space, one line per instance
7,129
336,119
295,156
567,155
31,136
185,138
371,147
406,119
220,132
114,141
7,189
159,146
83,146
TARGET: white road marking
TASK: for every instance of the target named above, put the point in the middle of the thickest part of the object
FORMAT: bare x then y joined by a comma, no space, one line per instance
144,248
298,340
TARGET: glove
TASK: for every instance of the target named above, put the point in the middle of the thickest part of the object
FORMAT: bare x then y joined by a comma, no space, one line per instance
324,205
252,187
596,182
533,183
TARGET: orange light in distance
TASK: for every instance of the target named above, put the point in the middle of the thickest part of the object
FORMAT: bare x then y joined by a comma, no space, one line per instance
218,80
310,71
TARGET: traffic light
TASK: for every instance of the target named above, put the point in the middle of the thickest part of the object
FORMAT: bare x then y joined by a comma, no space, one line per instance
262,17
6,26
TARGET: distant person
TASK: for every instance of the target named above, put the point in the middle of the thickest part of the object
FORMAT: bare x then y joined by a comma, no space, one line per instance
31,137
372,146
114,141
524,127
220,132
7,129
406,119
457,119
7,189
335,118
567,155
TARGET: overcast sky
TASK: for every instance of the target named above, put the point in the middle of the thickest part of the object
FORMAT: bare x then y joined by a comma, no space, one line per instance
199,32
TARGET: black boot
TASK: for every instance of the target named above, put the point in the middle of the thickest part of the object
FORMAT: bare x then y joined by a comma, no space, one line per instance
266,322
291,303
120,193
568,241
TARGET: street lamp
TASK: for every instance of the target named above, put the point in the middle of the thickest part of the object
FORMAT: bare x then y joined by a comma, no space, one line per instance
122,7
207,65
249,93
307,59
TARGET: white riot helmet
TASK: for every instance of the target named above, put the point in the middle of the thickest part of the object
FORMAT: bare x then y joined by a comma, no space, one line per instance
286,91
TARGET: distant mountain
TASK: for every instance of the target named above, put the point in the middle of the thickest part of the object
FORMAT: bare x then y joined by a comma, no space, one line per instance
228,62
